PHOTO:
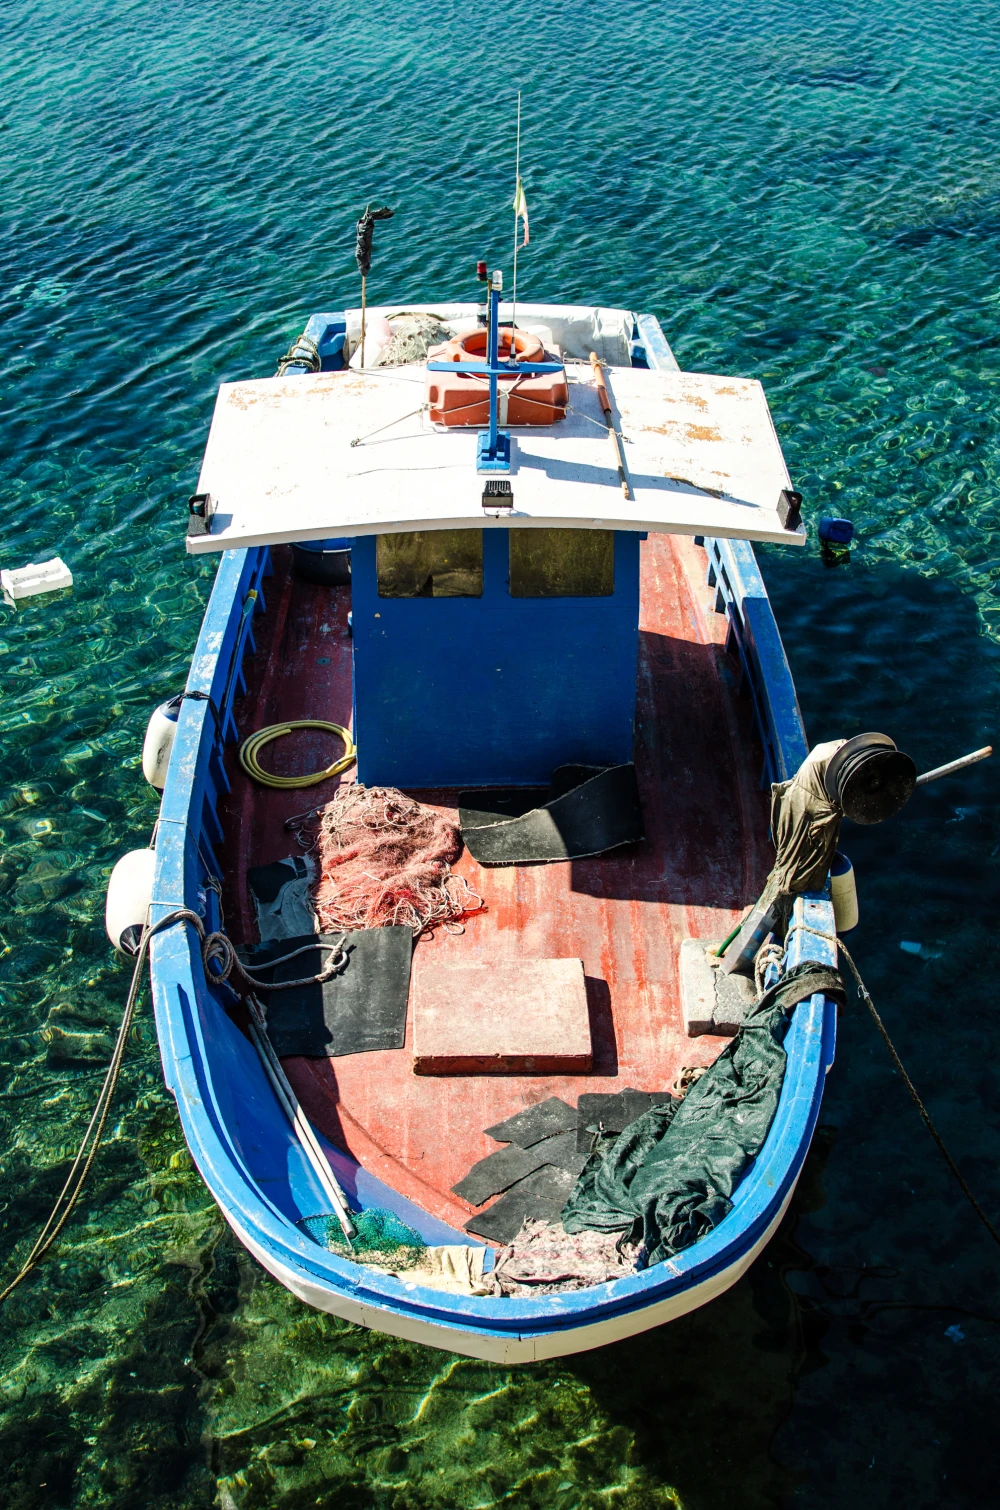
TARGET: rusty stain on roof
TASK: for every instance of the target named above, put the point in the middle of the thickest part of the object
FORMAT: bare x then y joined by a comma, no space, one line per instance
700,486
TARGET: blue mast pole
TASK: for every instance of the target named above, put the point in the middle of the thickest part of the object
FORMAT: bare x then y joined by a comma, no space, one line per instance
493,445
492,357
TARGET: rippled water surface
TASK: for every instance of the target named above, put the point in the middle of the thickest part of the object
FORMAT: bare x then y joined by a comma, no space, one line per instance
807,193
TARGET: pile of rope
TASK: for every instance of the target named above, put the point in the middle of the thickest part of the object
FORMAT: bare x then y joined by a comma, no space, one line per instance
303,352
385,859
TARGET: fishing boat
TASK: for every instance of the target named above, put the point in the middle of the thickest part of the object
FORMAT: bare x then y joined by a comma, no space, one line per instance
544,626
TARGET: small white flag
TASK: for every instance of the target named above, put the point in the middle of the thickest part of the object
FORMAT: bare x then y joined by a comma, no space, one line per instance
521,208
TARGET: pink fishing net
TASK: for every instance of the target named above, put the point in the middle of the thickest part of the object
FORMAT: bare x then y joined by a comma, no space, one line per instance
382,859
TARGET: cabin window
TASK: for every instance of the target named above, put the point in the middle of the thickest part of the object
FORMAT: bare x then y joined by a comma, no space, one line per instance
562,563
430,564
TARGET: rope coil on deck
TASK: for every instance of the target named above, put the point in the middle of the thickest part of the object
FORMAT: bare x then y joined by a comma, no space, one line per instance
251,746
303,352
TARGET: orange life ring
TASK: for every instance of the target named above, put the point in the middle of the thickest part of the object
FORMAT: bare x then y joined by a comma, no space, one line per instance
527,348
463,400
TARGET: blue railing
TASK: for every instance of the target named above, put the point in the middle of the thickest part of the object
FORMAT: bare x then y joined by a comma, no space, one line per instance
189,832
765,674
753,634
653,345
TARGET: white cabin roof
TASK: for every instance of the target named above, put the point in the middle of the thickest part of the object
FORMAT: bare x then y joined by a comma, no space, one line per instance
333,454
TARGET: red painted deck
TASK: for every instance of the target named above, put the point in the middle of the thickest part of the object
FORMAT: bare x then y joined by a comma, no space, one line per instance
705,858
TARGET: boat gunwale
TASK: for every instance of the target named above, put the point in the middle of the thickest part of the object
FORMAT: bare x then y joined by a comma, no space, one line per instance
758,1198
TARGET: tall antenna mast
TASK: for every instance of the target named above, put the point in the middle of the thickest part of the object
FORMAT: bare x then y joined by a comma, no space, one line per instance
517,196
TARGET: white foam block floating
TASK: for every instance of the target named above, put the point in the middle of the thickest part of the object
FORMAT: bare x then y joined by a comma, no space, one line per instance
36,577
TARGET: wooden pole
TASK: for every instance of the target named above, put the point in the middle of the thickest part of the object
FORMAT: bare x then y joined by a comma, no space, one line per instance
300,1123
955,765
605,403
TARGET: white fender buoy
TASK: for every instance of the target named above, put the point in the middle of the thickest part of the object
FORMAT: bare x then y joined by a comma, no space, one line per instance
130,891
843,893
159,742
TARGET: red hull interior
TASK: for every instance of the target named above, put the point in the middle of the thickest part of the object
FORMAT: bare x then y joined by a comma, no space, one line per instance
624,914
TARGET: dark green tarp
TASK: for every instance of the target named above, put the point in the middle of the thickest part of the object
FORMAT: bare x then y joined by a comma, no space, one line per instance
669,1178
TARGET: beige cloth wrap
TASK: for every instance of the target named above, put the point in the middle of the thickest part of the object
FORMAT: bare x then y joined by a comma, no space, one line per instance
805,826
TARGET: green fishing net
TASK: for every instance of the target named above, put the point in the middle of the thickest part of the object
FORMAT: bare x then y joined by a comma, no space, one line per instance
671,1174
381,1238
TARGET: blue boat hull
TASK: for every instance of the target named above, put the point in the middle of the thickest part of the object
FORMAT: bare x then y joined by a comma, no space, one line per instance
239,1137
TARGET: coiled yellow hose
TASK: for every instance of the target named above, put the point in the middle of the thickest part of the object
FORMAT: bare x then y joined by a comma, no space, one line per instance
256,742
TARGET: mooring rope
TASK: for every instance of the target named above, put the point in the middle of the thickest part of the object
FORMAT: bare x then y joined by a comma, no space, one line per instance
89,1144
216,947
921,1108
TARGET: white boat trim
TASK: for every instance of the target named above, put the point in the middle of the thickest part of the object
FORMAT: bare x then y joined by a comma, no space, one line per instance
509,1348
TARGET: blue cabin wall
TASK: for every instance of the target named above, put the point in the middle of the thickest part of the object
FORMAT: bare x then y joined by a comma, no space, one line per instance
492,691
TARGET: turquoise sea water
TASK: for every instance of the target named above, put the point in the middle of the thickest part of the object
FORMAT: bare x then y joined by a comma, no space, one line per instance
807,193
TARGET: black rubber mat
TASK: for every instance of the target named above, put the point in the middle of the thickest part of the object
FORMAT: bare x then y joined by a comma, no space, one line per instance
637,1103
493,805
360,1010
487,807
548,1146
601,813
498,1171
605,1113
265,881
561,1151
611,1114
535,1123
542,1195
